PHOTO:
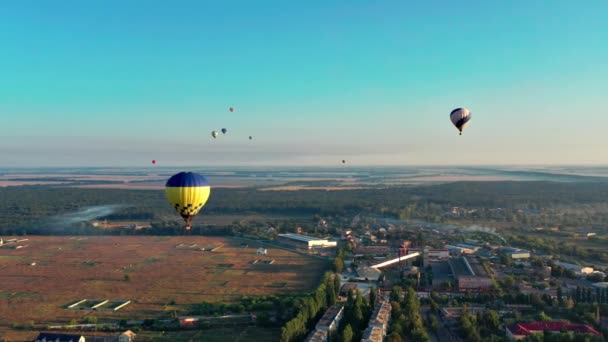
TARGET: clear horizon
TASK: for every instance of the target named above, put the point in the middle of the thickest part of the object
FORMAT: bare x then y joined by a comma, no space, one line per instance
115,84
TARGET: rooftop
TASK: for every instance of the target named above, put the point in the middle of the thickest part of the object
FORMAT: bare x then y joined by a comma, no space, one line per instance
570,266
299,237
381,314
59,337
513,250
329,316
348,286
532,327
373,333
459,267
317,336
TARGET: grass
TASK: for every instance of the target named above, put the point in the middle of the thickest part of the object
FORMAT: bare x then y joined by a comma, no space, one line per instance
158,274
242,334
6,295
10,257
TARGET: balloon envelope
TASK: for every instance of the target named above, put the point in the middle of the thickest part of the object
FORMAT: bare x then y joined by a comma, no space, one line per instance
224,131
250,137
214,134
187,192
232,109
154,161
460,117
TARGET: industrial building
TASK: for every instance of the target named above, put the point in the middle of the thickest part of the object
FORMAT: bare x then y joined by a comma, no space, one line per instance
305,242
515,253
577,269
457,250
470,275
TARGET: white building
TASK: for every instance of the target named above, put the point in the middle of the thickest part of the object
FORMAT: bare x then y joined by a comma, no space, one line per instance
305,241
577,269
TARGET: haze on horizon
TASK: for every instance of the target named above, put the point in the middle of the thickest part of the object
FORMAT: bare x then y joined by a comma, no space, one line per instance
114,83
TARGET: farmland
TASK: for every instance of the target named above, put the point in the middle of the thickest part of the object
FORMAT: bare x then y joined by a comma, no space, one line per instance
40,281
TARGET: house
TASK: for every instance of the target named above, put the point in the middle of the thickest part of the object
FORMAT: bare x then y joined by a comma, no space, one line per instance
54,337
127,336
519,331
261,251
346,288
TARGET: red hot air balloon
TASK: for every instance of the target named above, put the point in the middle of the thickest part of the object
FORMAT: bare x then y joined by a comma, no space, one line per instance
232,109
153,161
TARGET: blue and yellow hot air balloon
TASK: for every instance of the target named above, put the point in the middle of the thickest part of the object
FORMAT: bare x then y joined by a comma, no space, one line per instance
187,192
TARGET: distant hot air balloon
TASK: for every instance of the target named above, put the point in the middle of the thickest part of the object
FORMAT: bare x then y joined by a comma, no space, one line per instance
214,134
250,137
232,109
343,161
224,131
153,161
187,192
460,118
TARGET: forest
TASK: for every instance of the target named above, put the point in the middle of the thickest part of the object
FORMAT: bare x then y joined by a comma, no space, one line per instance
31,209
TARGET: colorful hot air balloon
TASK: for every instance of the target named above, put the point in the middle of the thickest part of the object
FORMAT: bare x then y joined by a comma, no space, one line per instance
232,109
460,118
214,134
153,161
187,192
224,131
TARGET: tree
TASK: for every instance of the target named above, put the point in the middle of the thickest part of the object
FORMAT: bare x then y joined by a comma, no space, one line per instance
433,323
337,284
394,337
396,294
338,264
491,320
543,317
347,334
372,297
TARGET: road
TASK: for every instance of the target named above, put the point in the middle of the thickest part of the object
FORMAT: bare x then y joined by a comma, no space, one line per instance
443,331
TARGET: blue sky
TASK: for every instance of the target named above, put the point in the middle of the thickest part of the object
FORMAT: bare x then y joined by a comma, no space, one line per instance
117,83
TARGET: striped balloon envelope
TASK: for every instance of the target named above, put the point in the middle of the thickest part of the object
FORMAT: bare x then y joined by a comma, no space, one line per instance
187,192
460,117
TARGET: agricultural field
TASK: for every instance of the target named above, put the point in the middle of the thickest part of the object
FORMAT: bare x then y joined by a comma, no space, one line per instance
39,282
